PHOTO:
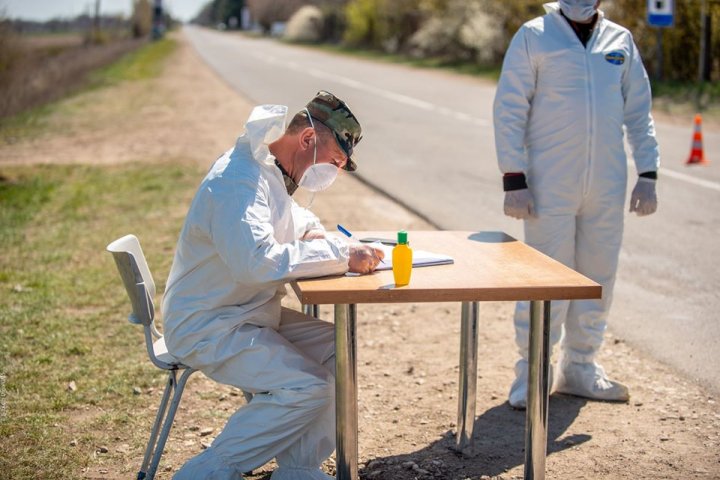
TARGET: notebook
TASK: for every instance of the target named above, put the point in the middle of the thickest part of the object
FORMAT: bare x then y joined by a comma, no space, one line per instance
421,258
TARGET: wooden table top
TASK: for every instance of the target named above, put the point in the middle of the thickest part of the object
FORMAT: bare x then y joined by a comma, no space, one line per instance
489,266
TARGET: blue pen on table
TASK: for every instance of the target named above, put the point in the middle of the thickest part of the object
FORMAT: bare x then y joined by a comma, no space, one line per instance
345,231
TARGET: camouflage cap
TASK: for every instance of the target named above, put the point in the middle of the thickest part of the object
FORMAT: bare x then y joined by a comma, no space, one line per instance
336,115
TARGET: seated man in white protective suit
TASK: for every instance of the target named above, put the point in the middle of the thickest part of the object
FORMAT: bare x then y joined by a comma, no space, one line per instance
244,238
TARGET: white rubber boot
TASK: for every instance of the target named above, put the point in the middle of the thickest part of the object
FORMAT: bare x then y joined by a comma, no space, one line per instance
589,380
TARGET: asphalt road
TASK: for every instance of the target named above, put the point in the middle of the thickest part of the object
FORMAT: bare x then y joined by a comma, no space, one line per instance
428,143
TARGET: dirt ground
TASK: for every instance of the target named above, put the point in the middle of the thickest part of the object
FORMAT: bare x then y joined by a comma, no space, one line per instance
407,354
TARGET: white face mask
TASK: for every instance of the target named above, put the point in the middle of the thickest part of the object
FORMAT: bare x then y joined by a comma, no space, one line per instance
318,176
578,10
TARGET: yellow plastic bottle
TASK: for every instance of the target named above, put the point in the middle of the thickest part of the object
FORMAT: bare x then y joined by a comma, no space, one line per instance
402,260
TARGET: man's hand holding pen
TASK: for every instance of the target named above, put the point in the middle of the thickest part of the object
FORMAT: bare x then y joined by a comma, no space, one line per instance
363,258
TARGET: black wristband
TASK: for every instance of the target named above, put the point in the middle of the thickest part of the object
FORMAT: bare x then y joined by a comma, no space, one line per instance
652,175
514,181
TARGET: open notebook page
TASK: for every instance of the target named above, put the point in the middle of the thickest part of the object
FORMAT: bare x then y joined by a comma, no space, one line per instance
421,258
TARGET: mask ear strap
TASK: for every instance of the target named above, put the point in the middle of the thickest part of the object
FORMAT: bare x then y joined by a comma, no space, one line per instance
312,199
310,118
312,125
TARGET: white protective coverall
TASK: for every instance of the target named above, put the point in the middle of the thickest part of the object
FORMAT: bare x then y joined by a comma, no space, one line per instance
222,314
559,113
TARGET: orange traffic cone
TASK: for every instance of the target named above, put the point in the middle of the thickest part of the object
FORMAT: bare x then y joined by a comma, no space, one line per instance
697,156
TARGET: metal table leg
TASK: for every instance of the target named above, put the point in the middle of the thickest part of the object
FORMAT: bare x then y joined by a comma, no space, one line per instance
468,377
311,310
536,417
346,417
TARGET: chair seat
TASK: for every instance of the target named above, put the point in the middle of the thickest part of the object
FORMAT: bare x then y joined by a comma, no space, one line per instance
162,354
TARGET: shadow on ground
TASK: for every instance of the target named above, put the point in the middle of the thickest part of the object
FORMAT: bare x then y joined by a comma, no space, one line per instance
499,446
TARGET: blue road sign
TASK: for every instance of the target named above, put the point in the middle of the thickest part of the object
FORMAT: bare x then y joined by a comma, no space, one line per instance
661,13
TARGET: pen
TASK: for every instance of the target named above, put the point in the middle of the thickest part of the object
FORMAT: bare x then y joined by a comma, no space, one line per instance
345,231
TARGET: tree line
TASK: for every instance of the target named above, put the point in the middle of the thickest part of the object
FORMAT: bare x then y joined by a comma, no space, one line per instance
479,31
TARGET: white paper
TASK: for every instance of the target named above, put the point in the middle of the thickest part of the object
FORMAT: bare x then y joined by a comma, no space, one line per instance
421,258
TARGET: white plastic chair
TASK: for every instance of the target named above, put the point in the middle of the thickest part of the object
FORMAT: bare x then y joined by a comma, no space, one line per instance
140,288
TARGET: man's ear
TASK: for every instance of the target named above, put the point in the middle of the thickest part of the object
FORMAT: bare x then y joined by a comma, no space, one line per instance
307,138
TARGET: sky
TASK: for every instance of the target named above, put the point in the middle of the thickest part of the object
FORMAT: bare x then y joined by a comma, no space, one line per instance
47,9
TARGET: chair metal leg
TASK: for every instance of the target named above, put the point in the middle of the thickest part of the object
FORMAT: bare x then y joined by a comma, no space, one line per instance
178,387
142,474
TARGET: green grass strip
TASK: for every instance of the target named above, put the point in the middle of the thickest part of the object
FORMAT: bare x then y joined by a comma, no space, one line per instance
142,64
63,310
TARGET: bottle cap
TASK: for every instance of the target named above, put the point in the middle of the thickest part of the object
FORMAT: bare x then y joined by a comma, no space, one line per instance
402,237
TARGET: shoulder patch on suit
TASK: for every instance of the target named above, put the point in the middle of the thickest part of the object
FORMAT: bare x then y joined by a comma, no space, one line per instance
616,57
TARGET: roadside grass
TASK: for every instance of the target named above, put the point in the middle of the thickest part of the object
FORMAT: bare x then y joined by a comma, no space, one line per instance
144,63
63,310
687,98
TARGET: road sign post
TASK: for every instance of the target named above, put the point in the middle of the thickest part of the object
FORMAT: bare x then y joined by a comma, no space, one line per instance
660,13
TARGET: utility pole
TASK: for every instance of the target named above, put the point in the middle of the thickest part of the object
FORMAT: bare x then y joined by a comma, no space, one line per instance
702,64
96,23
659,55
705,62
158,22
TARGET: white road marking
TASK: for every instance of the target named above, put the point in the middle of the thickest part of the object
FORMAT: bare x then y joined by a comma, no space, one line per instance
664,172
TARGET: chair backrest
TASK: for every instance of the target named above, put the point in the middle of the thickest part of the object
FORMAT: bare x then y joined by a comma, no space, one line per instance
136,277
140,287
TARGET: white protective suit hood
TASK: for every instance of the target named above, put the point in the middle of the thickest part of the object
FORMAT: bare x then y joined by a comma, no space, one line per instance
555,7
551,7
265,125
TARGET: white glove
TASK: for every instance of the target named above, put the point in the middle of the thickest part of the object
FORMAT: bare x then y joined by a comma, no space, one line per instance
643,200
519,204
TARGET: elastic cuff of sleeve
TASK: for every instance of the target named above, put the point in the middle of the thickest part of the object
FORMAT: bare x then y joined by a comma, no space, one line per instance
514,181
651,175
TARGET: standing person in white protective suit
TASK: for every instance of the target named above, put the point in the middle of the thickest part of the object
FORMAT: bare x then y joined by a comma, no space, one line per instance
571,80
244,237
